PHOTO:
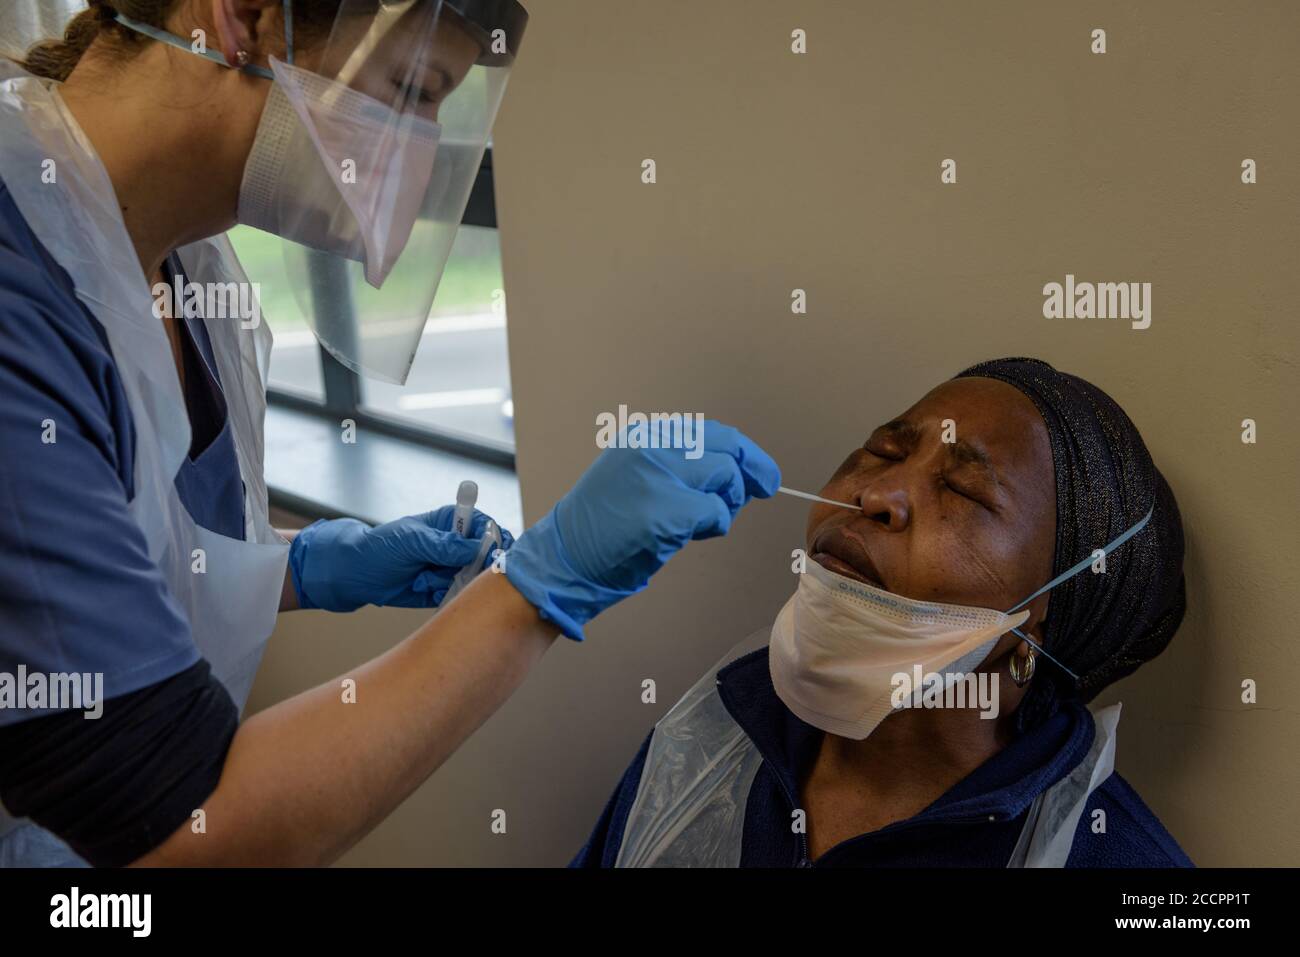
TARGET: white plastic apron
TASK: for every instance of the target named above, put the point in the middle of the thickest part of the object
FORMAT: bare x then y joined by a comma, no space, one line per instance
689,809
231,606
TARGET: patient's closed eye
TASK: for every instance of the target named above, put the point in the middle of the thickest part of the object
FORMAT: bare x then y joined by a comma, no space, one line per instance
883,450
892,440
967,486
957,487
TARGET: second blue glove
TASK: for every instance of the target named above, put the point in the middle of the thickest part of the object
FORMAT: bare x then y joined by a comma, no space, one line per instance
342,564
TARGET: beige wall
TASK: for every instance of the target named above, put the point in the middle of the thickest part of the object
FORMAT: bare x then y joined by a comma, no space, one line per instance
821,171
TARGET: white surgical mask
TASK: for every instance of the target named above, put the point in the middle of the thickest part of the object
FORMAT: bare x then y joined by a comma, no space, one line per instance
837,644
336,170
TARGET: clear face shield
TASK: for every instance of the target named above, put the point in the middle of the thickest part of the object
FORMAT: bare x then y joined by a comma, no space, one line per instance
364,160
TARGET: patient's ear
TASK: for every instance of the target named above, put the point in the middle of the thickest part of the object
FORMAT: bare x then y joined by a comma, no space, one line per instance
1036,624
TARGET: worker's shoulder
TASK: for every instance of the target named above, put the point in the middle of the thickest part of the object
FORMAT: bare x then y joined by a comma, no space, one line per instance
1126,833
43,326
27,270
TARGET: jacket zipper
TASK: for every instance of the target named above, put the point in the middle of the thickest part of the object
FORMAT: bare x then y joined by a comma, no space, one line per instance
804,860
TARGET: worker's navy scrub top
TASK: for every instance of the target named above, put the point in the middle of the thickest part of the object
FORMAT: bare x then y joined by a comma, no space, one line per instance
78,588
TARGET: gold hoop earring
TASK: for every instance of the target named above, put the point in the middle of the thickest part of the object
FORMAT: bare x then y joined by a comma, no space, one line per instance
1022,678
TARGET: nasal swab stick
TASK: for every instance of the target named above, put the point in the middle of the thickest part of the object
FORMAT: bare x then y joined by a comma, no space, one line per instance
817,498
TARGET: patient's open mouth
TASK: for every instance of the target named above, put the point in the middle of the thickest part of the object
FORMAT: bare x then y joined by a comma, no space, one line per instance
843,554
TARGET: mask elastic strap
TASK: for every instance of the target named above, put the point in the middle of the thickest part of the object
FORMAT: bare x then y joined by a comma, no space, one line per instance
1043,651
288,32
172,39
1068,574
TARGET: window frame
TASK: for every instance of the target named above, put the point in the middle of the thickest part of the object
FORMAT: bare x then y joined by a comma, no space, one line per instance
342,386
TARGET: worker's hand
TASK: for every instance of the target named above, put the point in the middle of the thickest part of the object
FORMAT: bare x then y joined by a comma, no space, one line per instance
630,512
342,564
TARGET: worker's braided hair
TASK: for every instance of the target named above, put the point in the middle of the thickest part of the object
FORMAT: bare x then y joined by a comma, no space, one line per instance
55,59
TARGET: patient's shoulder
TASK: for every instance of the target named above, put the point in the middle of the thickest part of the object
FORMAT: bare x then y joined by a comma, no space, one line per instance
602,847
1133,835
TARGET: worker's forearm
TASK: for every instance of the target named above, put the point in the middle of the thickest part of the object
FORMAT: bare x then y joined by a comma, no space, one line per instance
305,779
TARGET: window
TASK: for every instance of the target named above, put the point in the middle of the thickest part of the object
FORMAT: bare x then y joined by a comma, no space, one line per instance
295,360
457,395
460,381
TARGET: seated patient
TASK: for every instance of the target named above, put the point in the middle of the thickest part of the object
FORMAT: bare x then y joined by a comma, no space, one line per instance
798,754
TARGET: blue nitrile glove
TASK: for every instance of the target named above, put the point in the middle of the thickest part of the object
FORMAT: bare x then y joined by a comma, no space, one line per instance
630,512
342,564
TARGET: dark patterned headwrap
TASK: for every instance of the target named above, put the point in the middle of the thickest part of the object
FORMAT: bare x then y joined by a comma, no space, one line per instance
1103,626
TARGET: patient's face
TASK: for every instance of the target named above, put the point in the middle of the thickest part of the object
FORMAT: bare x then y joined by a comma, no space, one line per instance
971,522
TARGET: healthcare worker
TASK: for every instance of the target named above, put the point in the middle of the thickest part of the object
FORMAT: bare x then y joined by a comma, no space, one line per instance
134,536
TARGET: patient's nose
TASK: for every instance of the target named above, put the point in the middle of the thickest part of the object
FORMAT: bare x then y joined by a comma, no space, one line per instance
886,506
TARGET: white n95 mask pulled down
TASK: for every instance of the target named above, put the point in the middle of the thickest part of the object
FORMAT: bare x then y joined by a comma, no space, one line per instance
838,643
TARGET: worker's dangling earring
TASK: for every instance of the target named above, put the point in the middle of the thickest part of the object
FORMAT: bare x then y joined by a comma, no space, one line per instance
241,57
1022,678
